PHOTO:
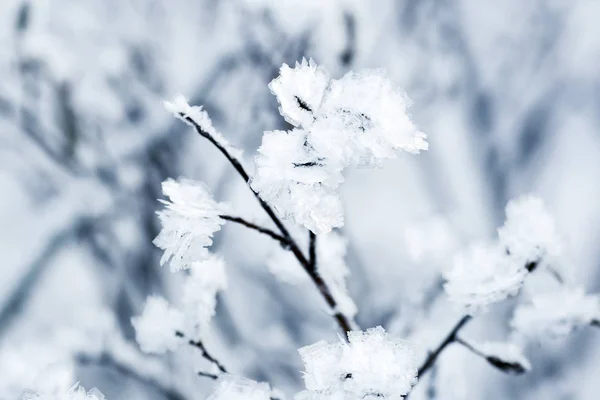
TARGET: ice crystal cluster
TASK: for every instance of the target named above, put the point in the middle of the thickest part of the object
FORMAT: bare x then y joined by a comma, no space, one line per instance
556,313
74,393
331,251
189,220
230,387
358,120
490,272
156,327
371,365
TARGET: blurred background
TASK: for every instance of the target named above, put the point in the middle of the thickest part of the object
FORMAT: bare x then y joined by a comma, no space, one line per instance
507,91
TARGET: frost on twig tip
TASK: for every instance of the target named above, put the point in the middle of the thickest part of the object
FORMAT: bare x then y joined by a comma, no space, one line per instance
180,108
155,328
506,356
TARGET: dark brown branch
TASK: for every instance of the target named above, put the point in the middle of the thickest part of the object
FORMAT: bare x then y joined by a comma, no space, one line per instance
257,228
321,285
312,249
205,354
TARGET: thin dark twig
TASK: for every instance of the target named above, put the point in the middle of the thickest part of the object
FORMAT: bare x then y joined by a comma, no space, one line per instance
207,375
469,346
257,228
451,337
200,346
312,249
321,285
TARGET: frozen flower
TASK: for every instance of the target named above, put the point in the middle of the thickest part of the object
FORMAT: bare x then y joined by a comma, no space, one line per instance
297,182
370,365
188,222
199,292
556,314
529,232
195,116
230,387
155,329
299,91
363,120
359,119
482,275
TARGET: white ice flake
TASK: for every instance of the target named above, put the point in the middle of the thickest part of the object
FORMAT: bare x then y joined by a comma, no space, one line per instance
199,292
155,328
231,387
482,275
181,109
299,91
529,232
358,120
371,365
556,314
189,220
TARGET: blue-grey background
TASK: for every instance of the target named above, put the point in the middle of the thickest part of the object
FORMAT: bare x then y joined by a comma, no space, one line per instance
508,92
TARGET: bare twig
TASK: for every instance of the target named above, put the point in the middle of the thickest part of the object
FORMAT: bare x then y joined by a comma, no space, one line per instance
469,346
207,375
257,228
451,337
312,249
200,346
321,285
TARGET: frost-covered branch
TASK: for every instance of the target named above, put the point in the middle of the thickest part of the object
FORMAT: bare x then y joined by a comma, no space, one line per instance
190,115
505,356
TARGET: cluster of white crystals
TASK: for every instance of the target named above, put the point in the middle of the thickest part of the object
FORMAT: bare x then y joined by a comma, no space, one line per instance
231,387
556,314
529,233
488,273
190,218
371,365
357,120
74,393
156,327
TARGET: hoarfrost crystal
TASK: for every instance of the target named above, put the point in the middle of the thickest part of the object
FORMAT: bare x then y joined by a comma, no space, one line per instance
556,314
358,120
180,108
529,233
199,294
300,91
155,328
230,387
371,364
188,221
482,275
